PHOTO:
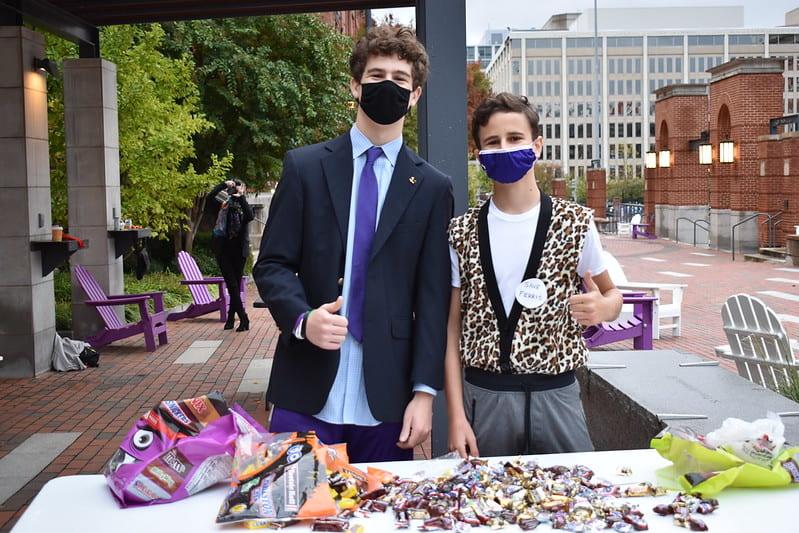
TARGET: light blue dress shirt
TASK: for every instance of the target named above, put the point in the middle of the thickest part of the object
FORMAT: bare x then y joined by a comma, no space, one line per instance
347,403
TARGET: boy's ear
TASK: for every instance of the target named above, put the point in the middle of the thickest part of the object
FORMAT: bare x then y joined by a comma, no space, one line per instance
415,95
355,89
538,146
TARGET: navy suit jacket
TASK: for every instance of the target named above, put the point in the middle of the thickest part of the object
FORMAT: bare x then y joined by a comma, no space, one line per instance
301,265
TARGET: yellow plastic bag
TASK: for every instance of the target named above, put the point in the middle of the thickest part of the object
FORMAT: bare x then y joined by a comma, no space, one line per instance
706,470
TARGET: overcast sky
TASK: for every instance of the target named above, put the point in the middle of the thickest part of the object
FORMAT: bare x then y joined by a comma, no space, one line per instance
484,14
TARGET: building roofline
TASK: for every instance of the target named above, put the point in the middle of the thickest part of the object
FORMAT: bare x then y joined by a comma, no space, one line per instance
681,89
748,65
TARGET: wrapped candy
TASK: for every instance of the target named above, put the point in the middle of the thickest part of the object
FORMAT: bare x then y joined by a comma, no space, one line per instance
177,449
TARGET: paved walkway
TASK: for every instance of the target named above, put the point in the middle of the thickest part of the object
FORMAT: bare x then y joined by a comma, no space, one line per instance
91,411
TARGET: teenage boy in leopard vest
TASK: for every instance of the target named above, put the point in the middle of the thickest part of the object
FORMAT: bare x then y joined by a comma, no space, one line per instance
527,277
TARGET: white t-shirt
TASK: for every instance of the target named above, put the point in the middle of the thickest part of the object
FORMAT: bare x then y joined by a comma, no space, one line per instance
512,238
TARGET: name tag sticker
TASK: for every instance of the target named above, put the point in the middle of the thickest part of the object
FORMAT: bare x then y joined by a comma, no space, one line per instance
531,293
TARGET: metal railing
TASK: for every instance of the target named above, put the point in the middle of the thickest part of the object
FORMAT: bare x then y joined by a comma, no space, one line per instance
695,224
625,212
772,227
773,221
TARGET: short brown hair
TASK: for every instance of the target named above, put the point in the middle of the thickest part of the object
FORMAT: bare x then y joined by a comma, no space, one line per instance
388,40
503,103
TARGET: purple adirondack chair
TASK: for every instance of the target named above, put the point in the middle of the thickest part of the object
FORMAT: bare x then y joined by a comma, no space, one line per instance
149,324
638,328
203,302
641,229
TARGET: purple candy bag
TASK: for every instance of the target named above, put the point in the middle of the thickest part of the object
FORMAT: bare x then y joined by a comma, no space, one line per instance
177,449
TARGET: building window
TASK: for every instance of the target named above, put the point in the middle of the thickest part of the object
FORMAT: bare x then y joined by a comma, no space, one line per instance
625,42
630,87
651,64
678,64
612,130
588,151
516,44
637,129
637,88
557,152
580,42
548,67
753,39
557,88
665,40
629,129
661,65
556,65
579,88
539,86
611,67
580,131
571,154
783,38
612,151
637,65
515,66
531,89
571,88
589,128
548,129
705,40
588,66
572,67
571,133
516,88
580,151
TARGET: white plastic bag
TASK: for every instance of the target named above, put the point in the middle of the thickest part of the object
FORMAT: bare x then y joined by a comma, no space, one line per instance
66,354
757,442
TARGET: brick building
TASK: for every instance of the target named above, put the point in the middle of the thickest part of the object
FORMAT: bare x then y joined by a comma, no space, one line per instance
348,22
749,168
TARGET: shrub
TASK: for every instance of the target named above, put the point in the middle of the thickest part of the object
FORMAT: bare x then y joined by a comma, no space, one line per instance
791,389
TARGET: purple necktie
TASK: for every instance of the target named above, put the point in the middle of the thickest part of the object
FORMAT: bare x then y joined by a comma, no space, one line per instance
365,222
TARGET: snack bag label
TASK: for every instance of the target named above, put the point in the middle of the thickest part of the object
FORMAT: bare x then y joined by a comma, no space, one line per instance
209,473
176,461
792,467
159,474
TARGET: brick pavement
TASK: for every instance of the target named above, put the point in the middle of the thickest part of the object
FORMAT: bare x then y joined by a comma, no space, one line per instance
103,402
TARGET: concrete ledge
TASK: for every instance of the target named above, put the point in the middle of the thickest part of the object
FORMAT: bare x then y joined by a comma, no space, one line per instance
626,407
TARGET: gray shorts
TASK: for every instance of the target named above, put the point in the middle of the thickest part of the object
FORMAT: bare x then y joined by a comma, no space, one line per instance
556,421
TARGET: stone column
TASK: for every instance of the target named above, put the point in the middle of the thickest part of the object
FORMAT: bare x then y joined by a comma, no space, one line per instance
596,193
27,304
92,141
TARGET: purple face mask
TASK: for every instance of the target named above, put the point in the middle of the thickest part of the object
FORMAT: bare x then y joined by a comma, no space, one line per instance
507,165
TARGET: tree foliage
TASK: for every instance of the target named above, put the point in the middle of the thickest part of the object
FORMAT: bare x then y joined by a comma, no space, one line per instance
158,111
478,88
267,84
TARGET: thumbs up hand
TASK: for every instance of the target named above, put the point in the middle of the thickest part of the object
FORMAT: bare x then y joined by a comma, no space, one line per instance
585,308
325,328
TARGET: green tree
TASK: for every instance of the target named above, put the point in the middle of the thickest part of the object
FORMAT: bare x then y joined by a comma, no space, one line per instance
158,118
478,88
267,84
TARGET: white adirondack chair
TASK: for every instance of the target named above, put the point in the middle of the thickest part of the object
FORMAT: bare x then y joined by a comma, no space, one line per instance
626,228
665,316
762,351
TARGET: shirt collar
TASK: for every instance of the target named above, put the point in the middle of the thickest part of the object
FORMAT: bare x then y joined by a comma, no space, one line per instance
360,144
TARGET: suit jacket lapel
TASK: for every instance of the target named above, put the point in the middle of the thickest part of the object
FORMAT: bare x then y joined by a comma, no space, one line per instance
338,171
405,181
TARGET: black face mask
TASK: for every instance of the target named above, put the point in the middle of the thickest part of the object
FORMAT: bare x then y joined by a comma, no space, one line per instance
384,102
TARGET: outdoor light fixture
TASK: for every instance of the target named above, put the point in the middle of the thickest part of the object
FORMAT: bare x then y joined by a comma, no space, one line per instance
705,154
664,159
46,65
651,160
726,152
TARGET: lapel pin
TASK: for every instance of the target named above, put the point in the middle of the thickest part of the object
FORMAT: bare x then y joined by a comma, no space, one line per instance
412,179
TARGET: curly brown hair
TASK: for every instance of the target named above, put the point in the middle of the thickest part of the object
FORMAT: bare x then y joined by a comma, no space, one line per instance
388,40
503,103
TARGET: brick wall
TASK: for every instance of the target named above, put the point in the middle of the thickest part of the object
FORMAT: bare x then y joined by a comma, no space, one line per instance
685,182
778,182
752,99
596,192
347,22
559,189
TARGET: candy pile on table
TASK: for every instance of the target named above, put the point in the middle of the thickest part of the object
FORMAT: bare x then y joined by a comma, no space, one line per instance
684,507
479,493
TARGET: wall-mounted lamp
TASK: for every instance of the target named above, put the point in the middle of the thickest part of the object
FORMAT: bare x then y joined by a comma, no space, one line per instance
727,152
664,159
46,65
651,160
705,154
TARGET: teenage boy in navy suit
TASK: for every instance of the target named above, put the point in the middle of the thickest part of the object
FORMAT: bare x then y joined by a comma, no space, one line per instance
354,267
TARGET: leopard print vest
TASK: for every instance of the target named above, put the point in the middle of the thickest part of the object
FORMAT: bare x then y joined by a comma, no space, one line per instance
546,339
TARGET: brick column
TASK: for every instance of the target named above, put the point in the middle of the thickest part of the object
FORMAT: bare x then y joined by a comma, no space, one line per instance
650,198
559,189
744,95
92,140
597,190
27,304
681,116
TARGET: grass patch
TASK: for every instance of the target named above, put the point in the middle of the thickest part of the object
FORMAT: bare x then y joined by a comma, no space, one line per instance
791,389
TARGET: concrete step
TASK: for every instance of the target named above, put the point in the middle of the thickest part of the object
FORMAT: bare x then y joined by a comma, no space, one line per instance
778,253
762,258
